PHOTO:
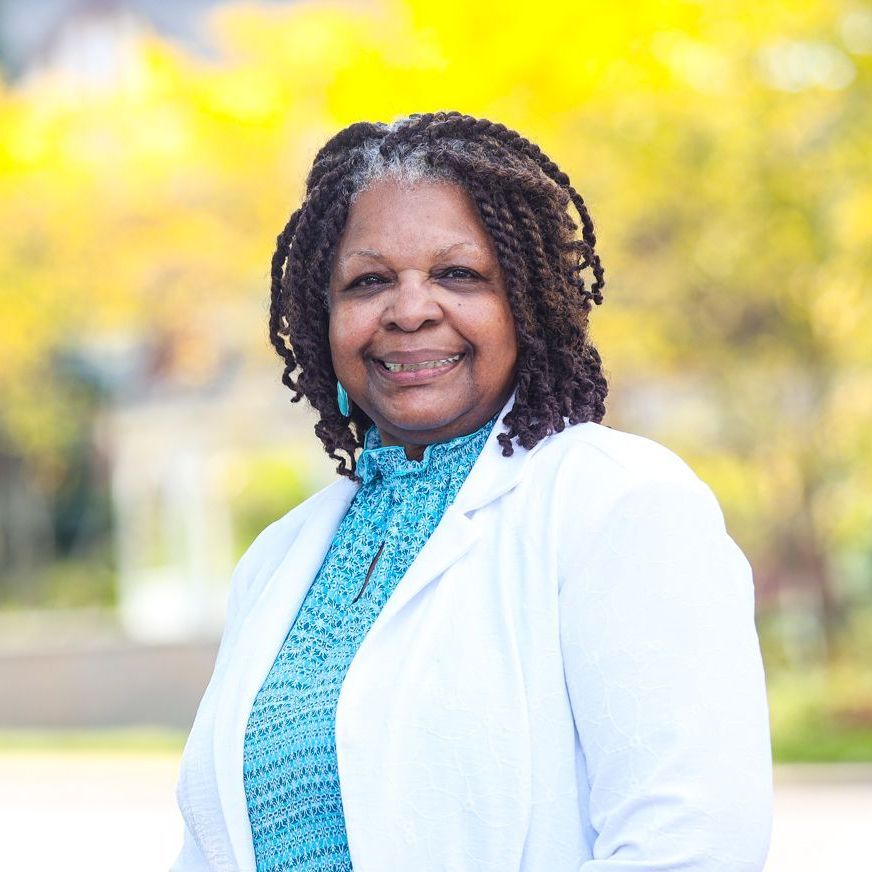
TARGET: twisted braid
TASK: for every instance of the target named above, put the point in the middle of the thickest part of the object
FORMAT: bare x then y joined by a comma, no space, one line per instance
455,124
523,199
535,412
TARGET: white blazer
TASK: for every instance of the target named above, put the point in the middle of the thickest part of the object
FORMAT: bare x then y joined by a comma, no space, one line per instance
567,678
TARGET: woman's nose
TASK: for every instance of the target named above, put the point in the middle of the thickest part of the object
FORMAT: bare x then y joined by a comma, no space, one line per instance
412,303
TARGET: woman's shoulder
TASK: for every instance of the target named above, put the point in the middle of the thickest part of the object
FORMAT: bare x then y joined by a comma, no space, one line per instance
604,454
269,548
590,474
616,493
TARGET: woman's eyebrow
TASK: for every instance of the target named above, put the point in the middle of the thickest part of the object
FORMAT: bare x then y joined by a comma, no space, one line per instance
377,255
362,252
441,252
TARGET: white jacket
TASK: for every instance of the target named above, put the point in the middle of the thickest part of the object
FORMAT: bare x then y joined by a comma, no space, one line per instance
567,679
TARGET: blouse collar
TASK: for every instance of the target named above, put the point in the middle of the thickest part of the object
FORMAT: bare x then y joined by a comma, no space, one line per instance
390,461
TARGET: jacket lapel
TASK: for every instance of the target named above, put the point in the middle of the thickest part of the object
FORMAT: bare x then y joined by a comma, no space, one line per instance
259,641
452,538
491,476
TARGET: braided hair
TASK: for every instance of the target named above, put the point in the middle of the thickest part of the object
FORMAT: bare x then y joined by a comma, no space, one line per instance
523,199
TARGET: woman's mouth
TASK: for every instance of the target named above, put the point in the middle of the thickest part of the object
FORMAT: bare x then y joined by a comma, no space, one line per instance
424,364
418,371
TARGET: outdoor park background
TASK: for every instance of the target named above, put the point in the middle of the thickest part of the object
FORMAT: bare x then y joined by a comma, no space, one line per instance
151,152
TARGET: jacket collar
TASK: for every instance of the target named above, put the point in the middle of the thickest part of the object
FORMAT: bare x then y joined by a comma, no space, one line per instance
493,474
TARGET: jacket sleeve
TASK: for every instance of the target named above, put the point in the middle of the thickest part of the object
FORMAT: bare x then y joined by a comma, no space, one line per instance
666,683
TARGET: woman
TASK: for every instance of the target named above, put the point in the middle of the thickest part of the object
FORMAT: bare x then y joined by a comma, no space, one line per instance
507,637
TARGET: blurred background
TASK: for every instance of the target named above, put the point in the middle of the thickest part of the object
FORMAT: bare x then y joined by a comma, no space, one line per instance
149,154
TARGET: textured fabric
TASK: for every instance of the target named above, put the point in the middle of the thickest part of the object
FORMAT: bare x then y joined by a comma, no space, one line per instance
567,679
290,767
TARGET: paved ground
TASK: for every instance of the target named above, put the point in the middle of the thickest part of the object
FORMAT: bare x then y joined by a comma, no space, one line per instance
823,820
87,812
81,812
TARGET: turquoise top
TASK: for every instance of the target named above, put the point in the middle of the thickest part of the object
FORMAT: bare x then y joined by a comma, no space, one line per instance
289,764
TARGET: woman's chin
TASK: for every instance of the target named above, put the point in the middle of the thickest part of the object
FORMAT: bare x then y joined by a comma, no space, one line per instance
421,423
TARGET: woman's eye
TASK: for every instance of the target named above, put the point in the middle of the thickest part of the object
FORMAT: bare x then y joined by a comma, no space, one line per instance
458,272
367,281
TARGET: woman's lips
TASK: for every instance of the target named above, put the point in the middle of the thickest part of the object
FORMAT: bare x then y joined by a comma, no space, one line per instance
415,371
412,366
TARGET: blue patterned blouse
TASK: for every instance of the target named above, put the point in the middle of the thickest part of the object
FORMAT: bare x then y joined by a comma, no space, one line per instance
290,771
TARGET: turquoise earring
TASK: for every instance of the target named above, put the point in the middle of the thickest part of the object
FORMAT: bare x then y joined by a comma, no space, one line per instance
342,400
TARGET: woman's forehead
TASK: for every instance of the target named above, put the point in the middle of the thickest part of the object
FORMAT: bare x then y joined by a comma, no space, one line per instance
390,191
438,215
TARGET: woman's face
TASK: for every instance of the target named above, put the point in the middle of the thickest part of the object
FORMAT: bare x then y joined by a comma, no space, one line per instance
421,332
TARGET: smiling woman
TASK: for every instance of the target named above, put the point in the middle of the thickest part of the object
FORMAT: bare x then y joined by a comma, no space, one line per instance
507,637
421,332
508,202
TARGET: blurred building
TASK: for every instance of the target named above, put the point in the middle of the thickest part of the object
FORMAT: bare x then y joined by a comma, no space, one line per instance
92,42
183,411
181,414
175,416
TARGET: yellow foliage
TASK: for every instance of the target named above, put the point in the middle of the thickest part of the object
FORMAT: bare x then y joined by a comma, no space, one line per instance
722,148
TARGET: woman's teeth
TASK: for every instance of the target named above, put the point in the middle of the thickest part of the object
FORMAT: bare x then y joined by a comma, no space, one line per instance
424,364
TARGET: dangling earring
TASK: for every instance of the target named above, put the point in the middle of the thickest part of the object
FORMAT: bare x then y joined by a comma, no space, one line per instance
342,400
